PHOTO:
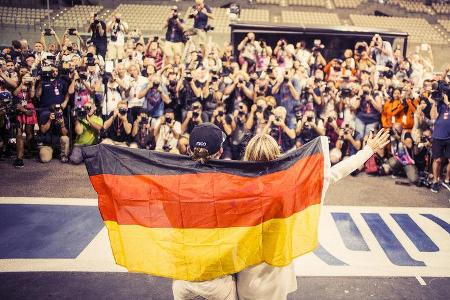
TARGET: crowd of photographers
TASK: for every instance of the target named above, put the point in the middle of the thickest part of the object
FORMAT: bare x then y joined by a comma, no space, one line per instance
59,96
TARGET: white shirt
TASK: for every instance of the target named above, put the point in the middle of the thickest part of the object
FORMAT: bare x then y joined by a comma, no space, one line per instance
166,134
111,100
136,86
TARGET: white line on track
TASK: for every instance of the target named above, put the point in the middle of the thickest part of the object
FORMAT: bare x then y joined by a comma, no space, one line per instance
49,201
420,280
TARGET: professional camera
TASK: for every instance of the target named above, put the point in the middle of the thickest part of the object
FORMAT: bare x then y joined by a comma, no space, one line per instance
6,102
122,111
90,59
209,28
71,31
144,121
195,114
346,92
80,112
168,120
57,110
188,77
45,72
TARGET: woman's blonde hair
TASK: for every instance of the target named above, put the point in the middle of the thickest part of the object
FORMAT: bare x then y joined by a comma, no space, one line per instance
262,147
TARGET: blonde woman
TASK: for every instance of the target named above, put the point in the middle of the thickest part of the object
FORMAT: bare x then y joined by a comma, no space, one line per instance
265,282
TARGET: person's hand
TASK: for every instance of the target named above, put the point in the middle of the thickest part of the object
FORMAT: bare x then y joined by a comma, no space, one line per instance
76,76
253,108
52,116
116,113
171,124
189,115
52,32
215,113
272,118
138,119
380,141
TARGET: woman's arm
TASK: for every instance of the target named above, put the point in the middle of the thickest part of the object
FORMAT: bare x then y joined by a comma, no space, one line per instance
345,167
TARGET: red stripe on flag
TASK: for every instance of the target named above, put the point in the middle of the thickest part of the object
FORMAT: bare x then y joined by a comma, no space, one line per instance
209,200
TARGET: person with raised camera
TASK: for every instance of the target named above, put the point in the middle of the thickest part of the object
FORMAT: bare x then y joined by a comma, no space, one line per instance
308,128
249,50
278,129
368,111
87,130
98,35
118,126
142,134
118,29
154,102
6,110
440,113
174,34
346,145
194,117
167,132
26,116
287,93
8,74
201,13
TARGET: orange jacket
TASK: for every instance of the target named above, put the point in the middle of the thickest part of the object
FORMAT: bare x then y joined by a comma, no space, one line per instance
392,108
408,119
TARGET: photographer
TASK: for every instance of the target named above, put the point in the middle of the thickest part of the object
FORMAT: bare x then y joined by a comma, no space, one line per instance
118,126
392,110
278,129
368,111
440,113
287,93
167,132
308,128
346,145
142,133
6,111
53,134
98,37
201,13
257,118
87,130
26,116
118,29
402,151
195,116
8,74
174,34
153,100
249,49
51,89
135,86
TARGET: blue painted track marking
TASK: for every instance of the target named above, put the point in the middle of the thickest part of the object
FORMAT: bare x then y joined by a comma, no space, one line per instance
350,234
419,238
47,231
438,221
327,257
387,240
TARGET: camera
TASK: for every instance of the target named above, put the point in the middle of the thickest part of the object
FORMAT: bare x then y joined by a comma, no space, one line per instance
285,79
330,119
259,108
309,119
6,102
72,31
195,114
345,92
220,113
45,73
123,111
144,121
208,28
47,32
168,120
166,148
241,80
214,78
80,112
188,77
83,76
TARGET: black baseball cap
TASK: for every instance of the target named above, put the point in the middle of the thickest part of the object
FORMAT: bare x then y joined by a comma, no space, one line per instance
208,136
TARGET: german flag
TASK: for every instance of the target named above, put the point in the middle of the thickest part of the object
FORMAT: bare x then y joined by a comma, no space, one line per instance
170,216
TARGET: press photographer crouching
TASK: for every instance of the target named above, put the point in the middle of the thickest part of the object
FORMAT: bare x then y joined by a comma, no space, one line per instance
87,130
142,134
402,154
53,134
167,132
346,145
118,126
440,112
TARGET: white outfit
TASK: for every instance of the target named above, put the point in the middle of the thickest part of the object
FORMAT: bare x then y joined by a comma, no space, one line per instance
166,136
265,282
222,288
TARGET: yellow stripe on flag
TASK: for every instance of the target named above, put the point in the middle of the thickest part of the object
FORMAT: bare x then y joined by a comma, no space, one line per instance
203,254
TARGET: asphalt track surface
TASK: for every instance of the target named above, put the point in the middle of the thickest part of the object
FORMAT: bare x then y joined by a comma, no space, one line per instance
56,180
